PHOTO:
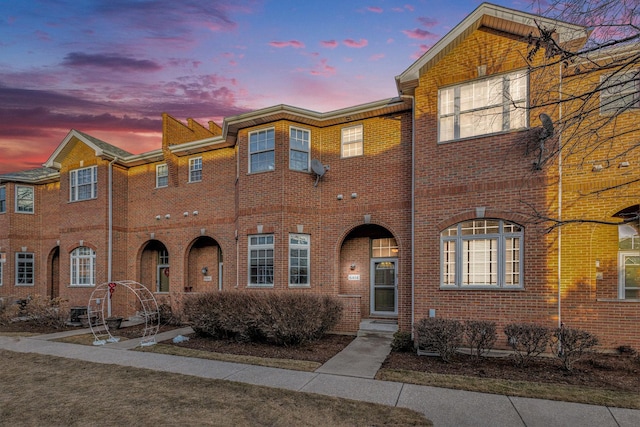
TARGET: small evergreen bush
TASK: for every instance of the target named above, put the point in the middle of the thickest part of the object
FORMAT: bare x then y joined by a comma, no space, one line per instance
402,342
278,318
443,336
527,341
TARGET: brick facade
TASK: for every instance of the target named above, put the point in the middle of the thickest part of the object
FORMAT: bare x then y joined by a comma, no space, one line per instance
407,186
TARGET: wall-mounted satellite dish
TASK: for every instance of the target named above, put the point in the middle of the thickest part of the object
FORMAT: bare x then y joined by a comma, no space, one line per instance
318,168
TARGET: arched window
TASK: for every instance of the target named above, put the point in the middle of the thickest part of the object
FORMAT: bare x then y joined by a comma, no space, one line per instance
482,253
83,267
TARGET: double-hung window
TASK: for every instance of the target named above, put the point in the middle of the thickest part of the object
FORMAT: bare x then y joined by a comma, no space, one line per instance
352,141
84,184
619,92
25,268
83,266
3,199
262,150
482,253
299,245
261,260
24,199
299,149
195,169
482,107
628,261
162,176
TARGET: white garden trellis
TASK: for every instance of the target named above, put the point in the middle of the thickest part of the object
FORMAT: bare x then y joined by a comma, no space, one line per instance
99,303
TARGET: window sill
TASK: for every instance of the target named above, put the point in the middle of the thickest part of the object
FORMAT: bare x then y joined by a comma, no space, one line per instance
618,300
24,285
260,286
484,135
83,200
299,286
82,286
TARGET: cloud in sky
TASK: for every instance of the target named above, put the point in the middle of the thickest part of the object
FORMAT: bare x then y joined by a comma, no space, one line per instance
374,9
111,61
420,34
356,44
329,44
291,43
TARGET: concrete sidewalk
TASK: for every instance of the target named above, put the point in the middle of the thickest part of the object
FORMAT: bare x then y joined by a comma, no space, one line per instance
445,407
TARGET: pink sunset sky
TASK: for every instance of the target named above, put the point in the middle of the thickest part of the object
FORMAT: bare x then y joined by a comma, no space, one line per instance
111,68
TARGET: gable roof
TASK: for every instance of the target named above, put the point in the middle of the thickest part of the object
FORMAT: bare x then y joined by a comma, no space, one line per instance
491,16
101,148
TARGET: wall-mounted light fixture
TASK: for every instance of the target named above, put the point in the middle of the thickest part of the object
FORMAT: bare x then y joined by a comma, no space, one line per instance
204,271
597,168
167,216
353,266
158,217
624,164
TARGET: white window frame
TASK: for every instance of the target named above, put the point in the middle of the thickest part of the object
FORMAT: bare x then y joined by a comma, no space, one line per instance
83,267
25,261
499,103
299,145
162,172
352,141
299,259
261,257
22,207
262,156
467,249
195,169
619,92
622,288
3,199
1,271
75,193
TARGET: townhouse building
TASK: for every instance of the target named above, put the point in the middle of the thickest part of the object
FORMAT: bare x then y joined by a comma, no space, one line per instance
425,204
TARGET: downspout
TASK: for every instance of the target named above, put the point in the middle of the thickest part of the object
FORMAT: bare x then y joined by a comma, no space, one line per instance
413,215
110,227
560,199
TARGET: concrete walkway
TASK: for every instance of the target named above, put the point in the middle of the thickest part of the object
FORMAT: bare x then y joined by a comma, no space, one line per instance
444,407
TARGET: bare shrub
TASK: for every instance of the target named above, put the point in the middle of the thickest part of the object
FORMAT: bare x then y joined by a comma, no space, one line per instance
527,341
443,336
278,318
571,344
481,336
44,311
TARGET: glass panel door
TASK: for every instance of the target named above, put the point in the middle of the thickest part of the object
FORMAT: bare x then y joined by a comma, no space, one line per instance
630,276
383,286
163,278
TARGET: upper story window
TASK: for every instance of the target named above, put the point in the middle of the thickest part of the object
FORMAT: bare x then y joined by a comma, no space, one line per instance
3,199
491,105
352,143
83,266
25,267
483,253
261,260
299,149
24,199
619,92
162,176
84,184
262,150
195,169
299,245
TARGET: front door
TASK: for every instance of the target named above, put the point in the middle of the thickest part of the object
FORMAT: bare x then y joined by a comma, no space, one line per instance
384,286
163,278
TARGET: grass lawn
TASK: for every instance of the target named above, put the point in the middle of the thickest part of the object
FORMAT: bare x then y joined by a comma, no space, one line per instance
45,390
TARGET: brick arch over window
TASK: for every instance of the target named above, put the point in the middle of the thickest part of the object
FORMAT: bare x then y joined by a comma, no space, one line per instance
70,249
487,213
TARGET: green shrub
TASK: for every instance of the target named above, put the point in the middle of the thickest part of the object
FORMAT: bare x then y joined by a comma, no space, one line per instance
527,341
443,336
481,336
278,318
571,344
402,342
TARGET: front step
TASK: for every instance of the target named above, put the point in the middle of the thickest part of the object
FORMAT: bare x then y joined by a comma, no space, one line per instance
378,328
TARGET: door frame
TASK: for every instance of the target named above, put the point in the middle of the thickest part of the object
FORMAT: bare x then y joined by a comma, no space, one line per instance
372,287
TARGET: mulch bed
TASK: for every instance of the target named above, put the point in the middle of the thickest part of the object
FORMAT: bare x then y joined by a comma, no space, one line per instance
618,372
316,351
